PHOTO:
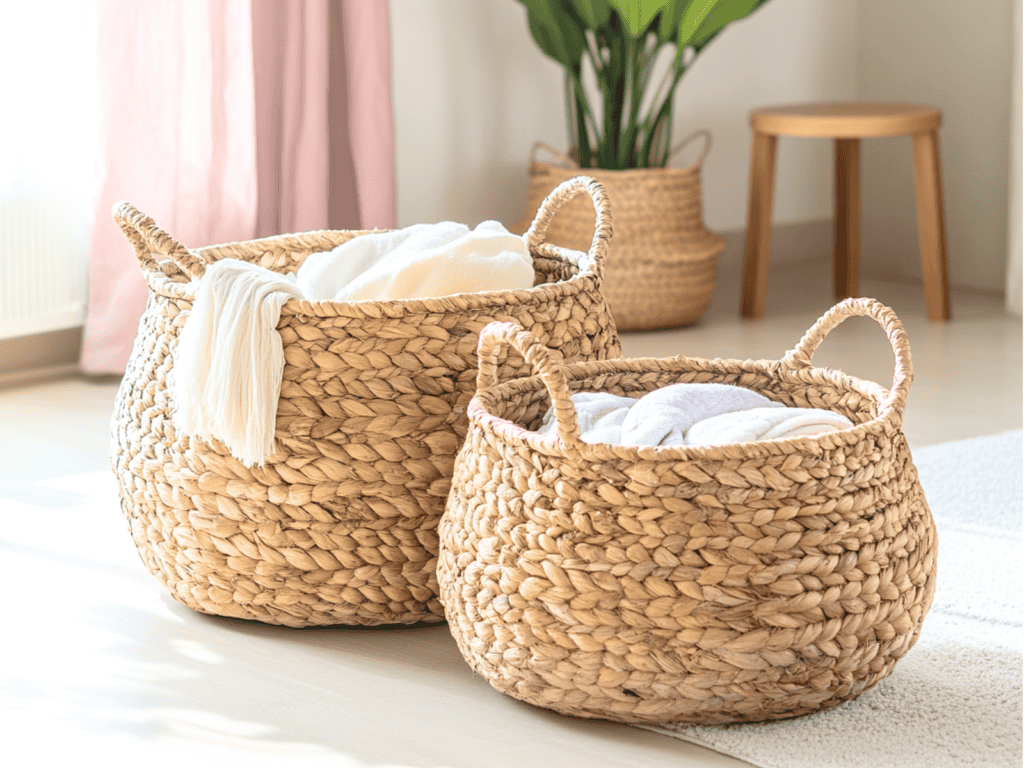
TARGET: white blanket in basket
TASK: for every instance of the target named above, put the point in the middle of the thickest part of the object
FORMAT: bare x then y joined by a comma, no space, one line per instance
226,377
692,414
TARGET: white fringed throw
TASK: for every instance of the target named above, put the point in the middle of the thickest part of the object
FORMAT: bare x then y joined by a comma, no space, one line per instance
226,378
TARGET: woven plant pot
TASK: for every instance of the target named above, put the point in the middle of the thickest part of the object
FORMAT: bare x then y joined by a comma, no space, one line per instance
686,584
340,525
660,271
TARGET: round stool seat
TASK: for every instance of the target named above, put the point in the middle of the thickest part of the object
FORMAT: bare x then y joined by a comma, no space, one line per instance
853,120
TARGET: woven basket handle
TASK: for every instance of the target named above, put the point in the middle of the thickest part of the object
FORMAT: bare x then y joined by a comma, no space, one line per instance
148,239
546,363
563,158
800,356
560,195
702,133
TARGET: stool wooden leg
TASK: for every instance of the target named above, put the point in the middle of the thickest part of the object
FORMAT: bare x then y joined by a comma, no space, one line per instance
847,221
931,225
759,226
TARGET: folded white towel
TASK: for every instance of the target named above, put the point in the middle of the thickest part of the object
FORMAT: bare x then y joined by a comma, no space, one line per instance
765,424
421,261
226,376
600,416
692,414
662,417
227,373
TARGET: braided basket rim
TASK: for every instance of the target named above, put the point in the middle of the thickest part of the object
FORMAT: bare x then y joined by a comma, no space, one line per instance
177,288
481,407
694,169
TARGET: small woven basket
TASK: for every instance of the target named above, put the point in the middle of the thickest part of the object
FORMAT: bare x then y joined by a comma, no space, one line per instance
340,525
661,268
686,584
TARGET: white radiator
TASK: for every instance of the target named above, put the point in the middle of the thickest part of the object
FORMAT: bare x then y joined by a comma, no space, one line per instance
44,243
47,161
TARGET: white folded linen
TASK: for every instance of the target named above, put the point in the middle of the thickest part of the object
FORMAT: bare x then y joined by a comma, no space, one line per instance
662,417
765,424
600,416
692,414
421,261
226,377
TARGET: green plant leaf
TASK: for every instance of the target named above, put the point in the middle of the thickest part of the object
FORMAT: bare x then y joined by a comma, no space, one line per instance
556,33
671,16
638,14
704,19
594,13
612,132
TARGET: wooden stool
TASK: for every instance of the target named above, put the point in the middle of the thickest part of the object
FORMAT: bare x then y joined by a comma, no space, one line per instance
847,123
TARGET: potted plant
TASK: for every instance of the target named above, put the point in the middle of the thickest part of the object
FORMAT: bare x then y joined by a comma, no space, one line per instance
660,270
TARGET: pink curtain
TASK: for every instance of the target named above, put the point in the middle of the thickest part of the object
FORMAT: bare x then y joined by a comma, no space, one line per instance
226,120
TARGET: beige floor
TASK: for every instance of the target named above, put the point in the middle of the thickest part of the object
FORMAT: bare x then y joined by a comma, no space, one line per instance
100,662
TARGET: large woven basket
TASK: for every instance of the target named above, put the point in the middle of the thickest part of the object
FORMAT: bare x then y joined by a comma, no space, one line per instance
686,584
340,525
661,268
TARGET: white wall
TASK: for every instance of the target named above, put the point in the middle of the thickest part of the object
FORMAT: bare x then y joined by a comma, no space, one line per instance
787,51
1014,288
957,56
473,93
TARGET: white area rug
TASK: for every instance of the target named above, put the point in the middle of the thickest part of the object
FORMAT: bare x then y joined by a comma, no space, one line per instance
955,699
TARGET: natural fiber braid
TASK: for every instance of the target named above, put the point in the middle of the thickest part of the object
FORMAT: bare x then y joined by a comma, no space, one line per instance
340,525
687,584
